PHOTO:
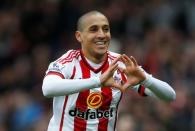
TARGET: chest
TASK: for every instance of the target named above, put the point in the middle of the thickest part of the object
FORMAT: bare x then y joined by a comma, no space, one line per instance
97,97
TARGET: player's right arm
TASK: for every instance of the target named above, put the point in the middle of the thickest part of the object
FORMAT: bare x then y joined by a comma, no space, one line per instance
55,84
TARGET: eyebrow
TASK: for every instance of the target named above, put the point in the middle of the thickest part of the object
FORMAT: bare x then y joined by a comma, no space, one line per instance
105,25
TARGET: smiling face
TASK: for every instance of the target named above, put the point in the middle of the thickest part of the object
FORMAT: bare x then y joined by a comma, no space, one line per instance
94,36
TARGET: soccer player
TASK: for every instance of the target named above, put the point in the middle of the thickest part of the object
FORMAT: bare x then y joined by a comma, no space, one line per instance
87,84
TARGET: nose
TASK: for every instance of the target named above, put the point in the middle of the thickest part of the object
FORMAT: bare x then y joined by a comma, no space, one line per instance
101,33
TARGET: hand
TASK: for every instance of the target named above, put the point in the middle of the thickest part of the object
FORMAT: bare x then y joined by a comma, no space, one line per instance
107,79
133,72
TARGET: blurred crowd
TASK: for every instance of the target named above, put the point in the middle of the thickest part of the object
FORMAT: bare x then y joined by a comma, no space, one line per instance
160,34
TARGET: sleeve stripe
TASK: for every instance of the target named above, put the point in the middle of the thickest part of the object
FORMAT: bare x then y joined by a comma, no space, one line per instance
55,73
141,90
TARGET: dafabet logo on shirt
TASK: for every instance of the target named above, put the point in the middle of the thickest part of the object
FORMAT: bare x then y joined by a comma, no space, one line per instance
94,100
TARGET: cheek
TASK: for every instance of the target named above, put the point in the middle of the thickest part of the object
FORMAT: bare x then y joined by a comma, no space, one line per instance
109,36
88,38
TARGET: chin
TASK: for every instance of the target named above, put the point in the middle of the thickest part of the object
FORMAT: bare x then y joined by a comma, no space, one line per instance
102,51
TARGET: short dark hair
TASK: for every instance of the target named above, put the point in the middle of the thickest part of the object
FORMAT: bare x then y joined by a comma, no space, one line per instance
80,20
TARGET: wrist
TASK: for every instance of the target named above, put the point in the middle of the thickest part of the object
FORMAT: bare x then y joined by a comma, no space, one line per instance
97,81
147,82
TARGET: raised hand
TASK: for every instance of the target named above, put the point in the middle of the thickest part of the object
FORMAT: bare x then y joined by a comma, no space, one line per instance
132,71
107,79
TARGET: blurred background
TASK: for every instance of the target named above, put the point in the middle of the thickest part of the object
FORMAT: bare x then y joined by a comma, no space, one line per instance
159,33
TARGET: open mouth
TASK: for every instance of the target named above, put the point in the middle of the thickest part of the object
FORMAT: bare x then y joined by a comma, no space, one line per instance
100,43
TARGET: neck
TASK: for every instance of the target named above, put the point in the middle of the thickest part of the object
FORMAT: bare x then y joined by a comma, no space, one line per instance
97,59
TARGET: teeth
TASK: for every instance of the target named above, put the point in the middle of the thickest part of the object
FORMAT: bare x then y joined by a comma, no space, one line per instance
100,43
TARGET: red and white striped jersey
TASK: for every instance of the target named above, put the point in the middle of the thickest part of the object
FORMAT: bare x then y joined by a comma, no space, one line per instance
90,110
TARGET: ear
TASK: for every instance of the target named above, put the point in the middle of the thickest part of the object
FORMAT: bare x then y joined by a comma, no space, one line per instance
78,36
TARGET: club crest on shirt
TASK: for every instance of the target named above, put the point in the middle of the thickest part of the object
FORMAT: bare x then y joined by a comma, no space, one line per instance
94,100
117,77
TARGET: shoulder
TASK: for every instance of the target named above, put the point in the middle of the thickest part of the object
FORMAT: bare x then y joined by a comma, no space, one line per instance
68,57
65,63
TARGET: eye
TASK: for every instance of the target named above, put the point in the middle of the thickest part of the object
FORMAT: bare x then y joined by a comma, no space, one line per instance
106,29
93,29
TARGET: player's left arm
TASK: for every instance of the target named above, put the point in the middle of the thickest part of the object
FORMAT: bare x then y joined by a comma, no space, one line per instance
150,85
156,88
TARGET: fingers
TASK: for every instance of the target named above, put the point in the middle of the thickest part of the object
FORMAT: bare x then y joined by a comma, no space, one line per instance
129,61
122,70
126,57
122,88
125,86
113,68
119,86
116,60
134,61
126,60
114,64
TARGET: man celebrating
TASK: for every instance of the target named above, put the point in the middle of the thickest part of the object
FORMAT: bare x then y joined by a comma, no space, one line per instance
87,84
